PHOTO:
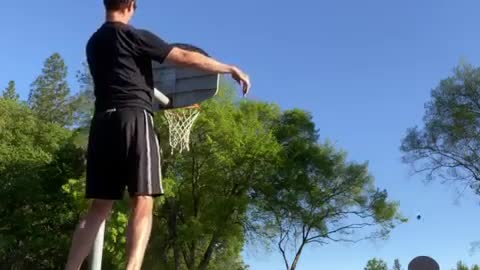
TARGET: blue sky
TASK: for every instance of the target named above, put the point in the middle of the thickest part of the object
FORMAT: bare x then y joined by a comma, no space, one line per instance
364,69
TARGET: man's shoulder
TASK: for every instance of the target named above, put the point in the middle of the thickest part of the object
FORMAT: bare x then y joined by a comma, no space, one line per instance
134,33
115,26
107,29
142,32
139,32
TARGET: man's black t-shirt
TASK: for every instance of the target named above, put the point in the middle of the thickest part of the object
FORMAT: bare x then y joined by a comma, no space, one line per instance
120,61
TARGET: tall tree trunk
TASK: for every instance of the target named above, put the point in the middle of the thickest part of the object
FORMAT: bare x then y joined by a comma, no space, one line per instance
195,206
297,257
187,257
172,226
193,254
284,256
208,253
164,254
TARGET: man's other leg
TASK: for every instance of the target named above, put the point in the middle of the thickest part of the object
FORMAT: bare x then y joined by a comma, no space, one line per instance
144,183
86,232
138,232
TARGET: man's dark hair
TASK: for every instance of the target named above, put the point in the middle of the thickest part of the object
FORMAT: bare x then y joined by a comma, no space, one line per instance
114,5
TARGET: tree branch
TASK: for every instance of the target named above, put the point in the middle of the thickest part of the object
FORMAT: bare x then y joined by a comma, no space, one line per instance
341,229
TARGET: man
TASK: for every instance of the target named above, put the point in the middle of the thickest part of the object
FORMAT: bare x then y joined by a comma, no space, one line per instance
123,148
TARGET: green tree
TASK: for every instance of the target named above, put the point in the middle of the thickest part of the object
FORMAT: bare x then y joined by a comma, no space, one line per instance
376,264
316,196
49,96
475,267
397,265
448,145
227,187
461,266
36,160
10,92
83,101
201,223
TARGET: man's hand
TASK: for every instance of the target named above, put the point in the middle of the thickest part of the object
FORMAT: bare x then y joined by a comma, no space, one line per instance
243,79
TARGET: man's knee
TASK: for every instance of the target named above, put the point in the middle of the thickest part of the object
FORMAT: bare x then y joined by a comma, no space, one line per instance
101,208
99,211
142,204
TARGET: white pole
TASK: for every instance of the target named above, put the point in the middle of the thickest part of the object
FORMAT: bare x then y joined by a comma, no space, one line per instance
97,251
160,97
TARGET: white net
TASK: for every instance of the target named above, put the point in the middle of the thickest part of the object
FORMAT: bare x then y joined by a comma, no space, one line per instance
180,122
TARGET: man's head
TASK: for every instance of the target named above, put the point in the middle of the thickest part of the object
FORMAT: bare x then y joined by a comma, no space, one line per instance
121,9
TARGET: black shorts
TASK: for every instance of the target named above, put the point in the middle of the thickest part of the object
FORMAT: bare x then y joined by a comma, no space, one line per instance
123,152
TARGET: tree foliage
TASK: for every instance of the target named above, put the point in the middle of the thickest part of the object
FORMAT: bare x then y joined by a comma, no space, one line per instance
201,222
253,171
461,266
10,92
448,144
40,163
83,101
36,159
316,196
376,264
397,265
49,96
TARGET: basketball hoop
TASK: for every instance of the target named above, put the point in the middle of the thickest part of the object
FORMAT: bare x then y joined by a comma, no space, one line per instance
180,123
180,87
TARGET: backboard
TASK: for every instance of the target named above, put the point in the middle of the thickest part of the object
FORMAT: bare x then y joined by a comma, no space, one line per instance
177,87
183,86
423,263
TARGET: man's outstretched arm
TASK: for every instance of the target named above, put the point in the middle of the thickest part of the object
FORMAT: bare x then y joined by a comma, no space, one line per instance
154,47
188,58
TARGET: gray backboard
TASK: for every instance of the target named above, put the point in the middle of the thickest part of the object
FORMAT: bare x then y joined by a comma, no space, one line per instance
184,86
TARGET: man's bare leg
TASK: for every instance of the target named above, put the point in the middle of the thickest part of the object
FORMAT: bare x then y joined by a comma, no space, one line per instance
86,232
138,233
